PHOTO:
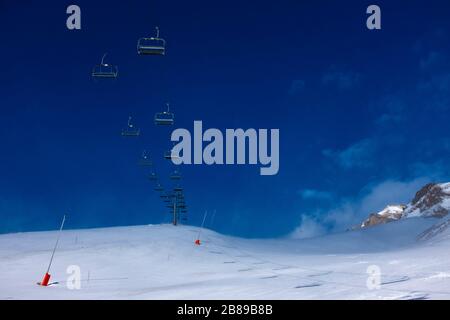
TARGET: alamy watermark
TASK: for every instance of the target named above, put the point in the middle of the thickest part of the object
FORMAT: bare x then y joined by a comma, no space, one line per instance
74,279
373,281
190,150
73,21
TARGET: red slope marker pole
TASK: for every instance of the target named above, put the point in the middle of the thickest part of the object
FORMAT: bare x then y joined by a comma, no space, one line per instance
46,278
197,241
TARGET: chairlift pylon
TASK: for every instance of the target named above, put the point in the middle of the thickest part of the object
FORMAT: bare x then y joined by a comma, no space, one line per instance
104,70
165,118
152,45
130,131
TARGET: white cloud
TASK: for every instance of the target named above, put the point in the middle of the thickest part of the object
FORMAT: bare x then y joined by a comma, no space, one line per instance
308,228
353,211
341,79
359,154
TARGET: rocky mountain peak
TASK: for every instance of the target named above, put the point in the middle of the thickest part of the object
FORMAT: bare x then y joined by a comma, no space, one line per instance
432,200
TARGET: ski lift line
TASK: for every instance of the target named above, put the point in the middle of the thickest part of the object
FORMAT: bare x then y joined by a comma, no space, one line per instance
56,244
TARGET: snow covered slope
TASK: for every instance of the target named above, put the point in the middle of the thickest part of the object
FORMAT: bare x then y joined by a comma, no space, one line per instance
433,200
162,262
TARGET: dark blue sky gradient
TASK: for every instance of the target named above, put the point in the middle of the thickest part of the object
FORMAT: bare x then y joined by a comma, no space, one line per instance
354,107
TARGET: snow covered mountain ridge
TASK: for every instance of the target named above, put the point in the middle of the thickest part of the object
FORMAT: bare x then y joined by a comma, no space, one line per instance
431,201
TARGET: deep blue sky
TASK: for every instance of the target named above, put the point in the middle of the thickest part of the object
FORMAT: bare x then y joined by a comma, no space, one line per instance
359,111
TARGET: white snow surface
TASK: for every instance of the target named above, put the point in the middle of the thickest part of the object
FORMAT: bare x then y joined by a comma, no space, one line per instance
445,187
391,210
162,262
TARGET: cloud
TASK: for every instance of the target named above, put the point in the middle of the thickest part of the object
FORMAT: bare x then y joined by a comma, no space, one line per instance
343,80
432,60
311,194
360,154
393,110
352,211
308,228
436,91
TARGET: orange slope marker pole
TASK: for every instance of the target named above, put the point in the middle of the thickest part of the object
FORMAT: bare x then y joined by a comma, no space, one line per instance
197,241
46,278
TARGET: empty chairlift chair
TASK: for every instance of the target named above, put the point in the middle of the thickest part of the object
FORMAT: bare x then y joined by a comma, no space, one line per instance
175,175
152,177
152,45
145,160
104,70
159,188
130,131
165,118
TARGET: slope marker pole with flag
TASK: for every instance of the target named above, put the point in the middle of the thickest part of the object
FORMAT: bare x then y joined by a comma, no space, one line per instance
46,278
197,241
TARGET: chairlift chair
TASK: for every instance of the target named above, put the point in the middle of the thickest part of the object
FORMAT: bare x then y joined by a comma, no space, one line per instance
175,175
104,70
178,189
145,160
152,176
152,45
165,118
159,188
130,131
